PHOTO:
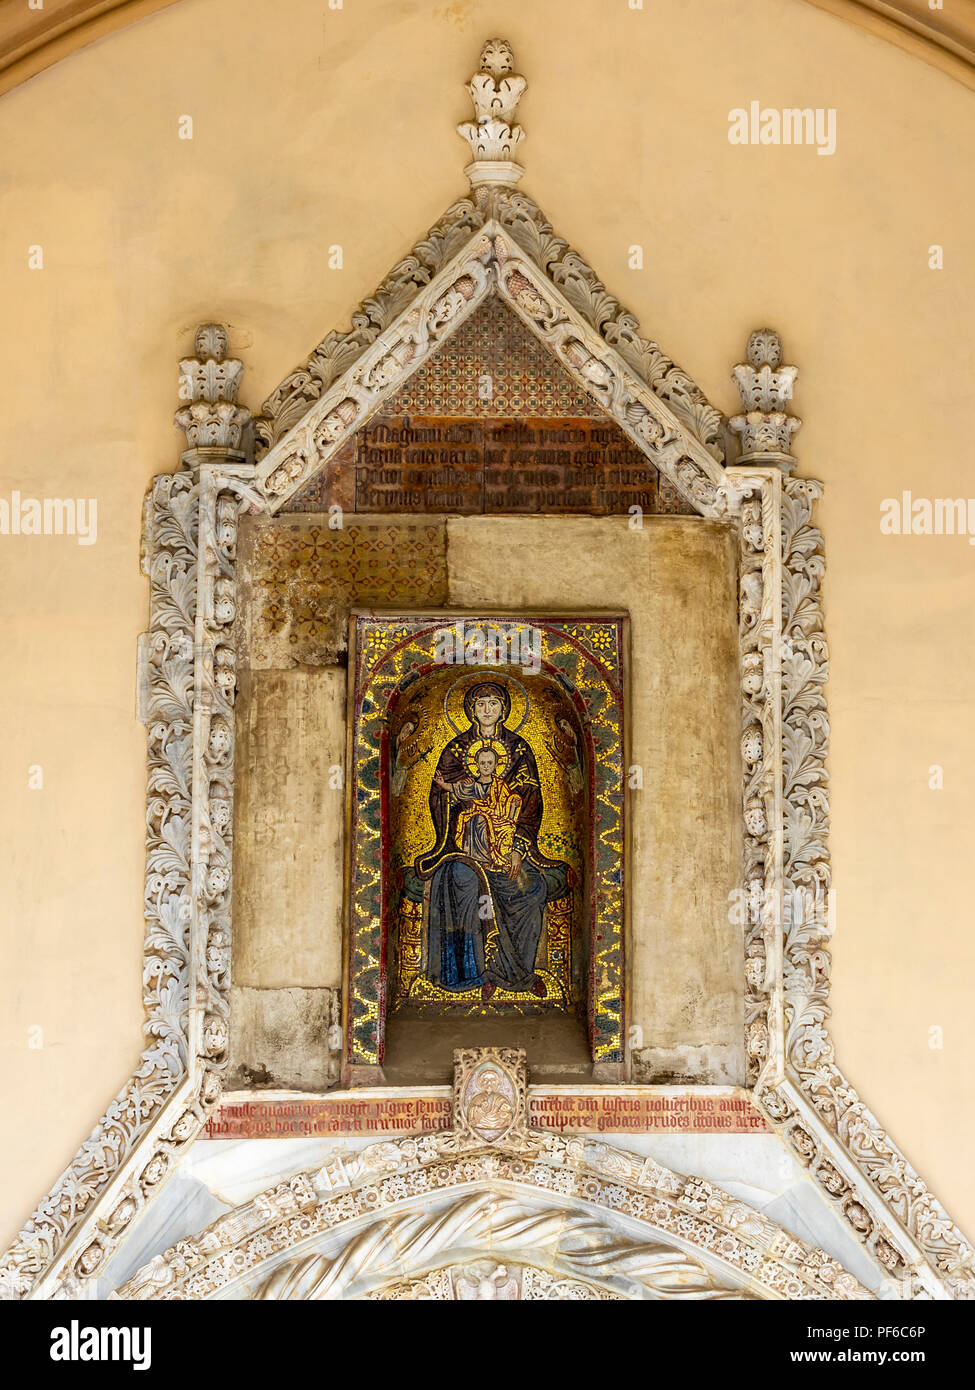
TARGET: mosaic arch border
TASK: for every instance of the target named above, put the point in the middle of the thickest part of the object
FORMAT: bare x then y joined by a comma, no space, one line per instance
187,687
378,670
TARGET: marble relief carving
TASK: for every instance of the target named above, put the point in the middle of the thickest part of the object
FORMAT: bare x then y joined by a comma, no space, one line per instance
495,241
577,1209
491,1096
487,1281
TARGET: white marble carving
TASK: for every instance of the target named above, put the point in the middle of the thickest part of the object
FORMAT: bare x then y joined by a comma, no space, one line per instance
766,427
208,383
491,1096
584,1252
493,135
487,1281
599,1214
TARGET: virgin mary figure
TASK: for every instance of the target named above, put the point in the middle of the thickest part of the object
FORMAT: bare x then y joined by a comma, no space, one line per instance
488,883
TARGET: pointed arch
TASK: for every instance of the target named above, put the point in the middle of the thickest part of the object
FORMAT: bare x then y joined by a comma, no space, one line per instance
506,247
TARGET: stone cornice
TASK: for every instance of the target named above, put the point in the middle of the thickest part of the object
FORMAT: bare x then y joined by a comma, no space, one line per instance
32,40
945,39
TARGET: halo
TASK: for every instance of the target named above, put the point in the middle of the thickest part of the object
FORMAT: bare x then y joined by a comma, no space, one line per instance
487,677
496,747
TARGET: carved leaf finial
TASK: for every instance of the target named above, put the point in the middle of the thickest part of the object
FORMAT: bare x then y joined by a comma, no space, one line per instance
493,135
208,384
766,427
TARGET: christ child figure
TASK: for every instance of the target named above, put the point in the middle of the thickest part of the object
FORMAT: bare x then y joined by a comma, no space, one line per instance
486,824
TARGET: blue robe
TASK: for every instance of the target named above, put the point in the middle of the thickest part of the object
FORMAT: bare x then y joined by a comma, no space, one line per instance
483,927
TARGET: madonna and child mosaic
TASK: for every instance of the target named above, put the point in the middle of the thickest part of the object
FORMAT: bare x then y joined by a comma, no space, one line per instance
486,821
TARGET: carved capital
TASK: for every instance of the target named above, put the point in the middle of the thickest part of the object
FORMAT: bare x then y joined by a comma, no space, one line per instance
766,427
493,135
209,414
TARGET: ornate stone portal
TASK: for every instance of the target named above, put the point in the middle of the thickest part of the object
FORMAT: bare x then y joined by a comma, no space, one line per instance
494,242
493,1209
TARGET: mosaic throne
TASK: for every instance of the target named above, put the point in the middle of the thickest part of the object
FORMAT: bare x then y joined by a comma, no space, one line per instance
559,916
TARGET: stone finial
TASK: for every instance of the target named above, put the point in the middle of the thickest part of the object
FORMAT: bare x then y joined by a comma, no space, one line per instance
208,384
493,136
766,427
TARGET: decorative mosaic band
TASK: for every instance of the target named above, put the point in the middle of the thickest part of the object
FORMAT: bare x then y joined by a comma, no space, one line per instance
389,652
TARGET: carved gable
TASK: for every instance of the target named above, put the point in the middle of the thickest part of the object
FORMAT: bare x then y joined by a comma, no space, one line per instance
490,424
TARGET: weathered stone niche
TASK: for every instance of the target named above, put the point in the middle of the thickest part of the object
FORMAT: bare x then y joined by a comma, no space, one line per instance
676,578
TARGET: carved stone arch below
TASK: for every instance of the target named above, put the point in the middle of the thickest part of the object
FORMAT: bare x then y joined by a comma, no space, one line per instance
500,1248
582,1210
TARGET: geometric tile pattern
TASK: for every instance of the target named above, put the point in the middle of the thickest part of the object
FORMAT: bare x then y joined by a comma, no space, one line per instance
301,578
492,365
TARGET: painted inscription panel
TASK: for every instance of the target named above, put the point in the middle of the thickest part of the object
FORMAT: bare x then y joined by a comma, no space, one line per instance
492,467
621,1110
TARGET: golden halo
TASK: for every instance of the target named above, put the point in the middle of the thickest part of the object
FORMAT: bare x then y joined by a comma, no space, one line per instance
453,704
496,747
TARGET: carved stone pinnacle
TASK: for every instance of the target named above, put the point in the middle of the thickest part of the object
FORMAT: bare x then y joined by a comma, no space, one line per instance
493,135
208,384
766,427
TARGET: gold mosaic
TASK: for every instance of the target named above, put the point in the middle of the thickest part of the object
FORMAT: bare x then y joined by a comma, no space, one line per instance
486,825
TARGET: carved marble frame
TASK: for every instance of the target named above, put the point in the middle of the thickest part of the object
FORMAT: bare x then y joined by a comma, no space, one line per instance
502,243
384,1201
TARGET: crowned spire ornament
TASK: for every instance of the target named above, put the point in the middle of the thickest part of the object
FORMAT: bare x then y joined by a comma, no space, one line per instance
210,417
766,426
493,136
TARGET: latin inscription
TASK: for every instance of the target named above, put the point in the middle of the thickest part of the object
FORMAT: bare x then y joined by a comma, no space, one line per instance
500,466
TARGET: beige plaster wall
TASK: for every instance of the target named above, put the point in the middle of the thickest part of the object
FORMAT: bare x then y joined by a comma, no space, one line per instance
336,126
